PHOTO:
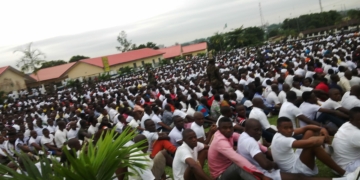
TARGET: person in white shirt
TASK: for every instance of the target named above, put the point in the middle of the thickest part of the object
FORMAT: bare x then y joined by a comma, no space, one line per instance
73,131
282,94
138,173
60,134
302,161
346,144
332,102
47,141
51,127
344,82
310,108
351,99
243,80
185,164
34,142
290,78
289,110
198,128
296,88
176,133
300,71
272,97
158,123
147,115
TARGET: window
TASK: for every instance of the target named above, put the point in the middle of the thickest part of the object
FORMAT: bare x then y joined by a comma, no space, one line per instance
159,60
143,63
134,65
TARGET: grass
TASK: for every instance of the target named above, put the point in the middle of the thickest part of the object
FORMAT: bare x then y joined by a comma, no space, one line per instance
324,171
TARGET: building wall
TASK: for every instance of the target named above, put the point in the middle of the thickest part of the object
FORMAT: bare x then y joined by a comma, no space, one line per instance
138,63
195,53
83,70
10,81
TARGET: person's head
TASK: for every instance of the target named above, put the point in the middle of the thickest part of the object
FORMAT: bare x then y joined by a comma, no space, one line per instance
335,94
296,84
74,143
199,118
141,138
258,102
148,110
285,126
291,96
177,106
286,87
240,110
50,122
39,122
334,78
217,97
226,127
73,125
226,96
355,91
46,132
189,137
355,117
178,122
12,136
348,74
150,125
61,125
33,134
226,111
259,90
275,88
309,96
83,124
307,82
253,128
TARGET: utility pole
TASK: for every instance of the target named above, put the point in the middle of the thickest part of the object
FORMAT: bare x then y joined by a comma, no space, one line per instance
321,9
261,18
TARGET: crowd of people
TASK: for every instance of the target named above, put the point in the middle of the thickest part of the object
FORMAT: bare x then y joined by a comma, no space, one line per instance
215,109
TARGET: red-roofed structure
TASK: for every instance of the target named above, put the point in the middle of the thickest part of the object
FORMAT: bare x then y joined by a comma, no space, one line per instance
194,48
125,57
171,52
12,79
3,69
50,73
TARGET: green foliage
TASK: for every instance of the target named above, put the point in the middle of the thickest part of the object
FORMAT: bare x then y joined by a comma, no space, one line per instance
125,44
273,33
2,97
125,70
201,54
100,162
31,60
52,63
353,14
164,62
147,45
78,58
104,77
147,65
177,58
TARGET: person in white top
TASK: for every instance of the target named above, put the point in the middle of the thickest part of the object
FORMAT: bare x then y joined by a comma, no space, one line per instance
34,142
158,123
302,161
310,108
282,94
355,79
333,102
296,88
175,134
60,134
351,99
138,173
289,110
47,141
272,97
346,143
197,127
185,164
73,131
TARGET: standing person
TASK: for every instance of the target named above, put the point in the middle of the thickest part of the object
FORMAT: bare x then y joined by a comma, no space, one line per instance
185,164
214,75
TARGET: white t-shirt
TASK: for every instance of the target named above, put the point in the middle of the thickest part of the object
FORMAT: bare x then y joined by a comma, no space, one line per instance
297,91
180,113
175,136
190,111
248,148
182,153
272,98
289,80
258,114
329,104
346,145
32,140
309,110
145,117
290,111
60,137
45,140
151,137
93,129
73,133
199,130
282,152
140,174
282,97
156,120
267,91
348,102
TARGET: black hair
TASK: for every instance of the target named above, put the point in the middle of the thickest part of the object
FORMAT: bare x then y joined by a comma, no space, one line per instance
146,121
185,132
306,95
224,120
354,111
282,119
291,96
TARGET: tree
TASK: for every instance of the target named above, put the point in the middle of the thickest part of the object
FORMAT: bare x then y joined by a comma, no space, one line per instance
32,59
125,44
147,45
125,70
52,63
353,14
78,58
273,33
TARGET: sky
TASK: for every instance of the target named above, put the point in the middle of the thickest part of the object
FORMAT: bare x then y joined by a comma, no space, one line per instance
62,29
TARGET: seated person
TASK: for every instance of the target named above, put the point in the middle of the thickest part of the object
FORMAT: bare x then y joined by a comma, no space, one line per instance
176,133
224,162
198,128
258,114
332,102
185,165
47,140
346,143
310,107
303,159
351,99
157,141
272,97
34,142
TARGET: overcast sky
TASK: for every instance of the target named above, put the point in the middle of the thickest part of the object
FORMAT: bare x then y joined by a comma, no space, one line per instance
65,28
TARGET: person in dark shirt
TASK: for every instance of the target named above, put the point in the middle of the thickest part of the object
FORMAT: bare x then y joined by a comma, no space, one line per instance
334,80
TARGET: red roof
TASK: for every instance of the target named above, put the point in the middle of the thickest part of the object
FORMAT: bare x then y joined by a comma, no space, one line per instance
172,51
3,69
52,72
194,47
124,57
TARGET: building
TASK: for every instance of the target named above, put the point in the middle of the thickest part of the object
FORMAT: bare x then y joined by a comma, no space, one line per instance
172,51
53,74
194,49
134,59
13,80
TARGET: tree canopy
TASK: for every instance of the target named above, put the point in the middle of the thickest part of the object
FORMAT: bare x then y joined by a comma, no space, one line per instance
47,64
31,60
78,58
147,45
125,44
